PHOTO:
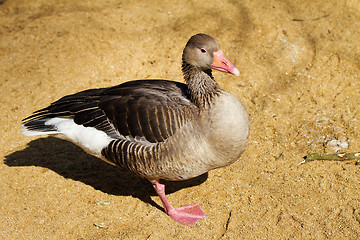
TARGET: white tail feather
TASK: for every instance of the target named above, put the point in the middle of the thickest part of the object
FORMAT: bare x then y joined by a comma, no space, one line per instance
88,138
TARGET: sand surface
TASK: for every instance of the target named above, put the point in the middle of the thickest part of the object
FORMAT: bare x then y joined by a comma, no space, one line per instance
300,81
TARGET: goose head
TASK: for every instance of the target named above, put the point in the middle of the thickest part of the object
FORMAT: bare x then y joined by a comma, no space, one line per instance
203,52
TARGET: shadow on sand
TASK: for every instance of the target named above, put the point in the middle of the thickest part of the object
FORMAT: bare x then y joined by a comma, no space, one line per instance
72,162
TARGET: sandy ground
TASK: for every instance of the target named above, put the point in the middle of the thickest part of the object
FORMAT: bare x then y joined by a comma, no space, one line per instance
300,81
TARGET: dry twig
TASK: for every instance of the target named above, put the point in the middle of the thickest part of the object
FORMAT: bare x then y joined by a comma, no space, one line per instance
331,157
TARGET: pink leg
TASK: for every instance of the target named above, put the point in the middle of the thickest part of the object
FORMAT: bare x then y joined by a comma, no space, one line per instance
187,215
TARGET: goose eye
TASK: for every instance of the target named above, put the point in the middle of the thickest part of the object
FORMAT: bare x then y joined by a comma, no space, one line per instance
203,50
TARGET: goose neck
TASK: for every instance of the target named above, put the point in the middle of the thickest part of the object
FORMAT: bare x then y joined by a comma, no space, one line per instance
201,85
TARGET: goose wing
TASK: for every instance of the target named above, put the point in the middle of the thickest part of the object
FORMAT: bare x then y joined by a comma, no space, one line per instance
149,110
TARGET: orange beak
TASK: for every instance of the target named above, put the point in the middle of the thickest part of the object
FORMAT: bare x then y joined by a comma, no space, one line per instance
222,64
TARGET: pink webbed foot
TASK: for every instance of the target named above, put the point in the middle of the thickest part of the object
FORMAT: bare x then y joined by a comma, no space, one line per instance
187,215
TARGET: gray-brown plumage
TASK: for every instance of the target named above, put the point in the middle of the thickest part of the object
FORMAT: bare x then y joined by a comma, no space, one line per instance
157,129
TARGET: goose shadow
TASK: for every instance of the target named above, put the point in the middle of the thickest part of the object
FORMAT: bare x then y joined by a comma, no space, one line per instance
72,162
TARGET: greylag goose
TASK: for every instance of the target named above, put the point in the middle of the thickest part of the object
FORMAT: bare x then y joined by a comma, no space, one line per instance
157,129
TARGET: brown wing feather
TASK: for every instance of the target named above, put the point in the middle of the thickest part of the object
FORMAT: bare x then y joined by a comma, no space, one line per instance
149,109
